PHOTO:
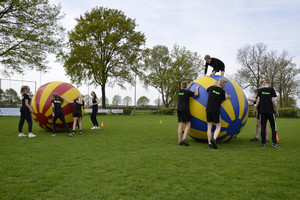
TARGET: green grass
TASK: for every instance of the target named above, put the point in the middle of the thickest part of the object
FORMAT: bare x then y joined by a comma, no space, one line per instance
136,157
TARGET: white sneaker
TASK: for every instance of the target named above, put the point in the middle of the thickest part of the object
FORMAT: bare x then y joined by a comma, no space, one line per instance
98,127
31,135
22,135
94,127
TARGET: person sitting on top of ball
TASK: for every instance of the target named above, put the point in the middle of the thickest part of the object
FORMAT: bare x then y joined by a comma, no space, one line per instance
216,64
216,96
183,110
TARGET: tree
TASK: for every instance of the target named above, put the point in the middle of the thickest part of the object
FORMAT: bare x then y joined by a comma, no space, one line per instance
143,101
157,102
11,97
117,99
106,101
29,30
104,48
1,97
165,71
127,101
253,60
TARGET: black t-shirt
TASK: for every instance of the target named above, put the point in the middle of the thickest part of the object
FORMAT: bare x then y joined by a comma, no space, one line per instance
215,98
184,100
57,106
25,96
77,106
94,107
215,63
265,103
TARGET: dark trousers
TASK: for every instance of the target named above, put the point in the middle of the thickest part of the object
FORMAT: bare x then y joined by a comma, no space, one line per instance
25,115
263,121
94,118
62,118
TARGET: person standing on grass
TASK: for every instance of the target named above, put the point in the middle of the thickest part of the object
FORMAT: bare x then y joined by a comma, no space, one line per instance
213,109
26,111
77,113
183,110
58,113
266,97
256,138
217,64
95,102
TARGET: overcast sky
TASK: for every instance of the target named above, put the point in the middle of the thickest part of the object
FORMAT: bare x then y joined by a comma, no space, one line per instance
214,27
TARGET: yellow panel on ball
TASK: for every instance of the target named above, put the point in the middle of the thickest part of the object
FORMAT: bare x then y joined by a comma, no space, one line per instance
234,111
42,107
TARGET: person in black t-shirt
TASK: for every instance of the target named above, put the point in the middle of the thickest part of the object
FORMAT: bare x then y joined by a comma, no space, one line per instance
213,108
253,103
58,113
183,110
26,111
266,97
77,113
217,64
95,102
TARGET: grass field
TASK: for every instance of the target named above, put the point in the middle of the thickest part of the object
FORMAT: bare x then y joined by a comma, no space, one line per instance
136,157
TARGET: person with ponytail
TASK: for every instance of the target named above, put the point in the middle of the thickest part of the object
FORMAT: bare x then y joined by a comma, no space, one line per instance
77,113
95,102
58,113
26,111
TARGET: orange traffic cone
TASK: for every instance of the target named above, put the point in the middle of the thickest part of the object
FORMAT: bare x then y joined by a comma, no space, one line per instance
277,138
102,124
160,121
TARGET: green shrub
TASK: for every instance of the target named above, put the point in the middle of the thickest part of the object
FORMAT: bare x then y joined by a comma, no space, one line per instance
127,111
288,112
167,111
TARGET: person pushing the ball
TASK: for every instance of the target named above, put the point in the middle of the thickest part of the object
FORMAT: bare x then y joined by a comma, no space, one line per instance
216,97
183,110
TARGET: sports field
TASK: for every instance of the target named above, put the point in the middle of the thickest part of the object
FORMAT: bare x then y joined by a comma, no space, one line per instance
136,157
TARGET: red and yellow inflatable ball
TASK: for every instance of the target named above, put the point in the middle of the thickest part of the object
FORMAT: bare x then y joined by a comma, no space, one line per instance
41,104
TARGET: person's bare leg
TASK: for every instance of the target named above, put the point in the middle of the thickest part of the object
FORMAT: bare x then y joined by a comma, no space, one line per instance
79,122
267,131
257,128
217,131
74,123
186,130
180,124
209,126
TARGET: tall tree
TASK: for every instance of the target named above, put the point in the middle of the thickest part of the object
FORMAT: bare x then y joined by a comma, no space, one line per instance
253,60
29,30
127,100
117,99
11,97
103,47
165,71
106,101
143,101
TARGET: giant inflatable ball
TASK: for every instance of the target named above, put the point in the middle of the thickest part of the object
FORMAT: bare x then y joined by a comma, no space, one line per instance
41,104
234,111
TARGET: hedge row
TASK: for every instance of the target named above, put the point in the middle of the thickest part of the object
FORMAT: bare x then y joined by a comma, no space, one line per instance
283,112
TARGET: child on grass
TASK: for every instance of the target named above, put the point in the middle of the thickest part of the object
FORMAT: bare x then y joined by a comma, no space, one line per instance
266,97
77,113
58,113
253,103
215,99
183,110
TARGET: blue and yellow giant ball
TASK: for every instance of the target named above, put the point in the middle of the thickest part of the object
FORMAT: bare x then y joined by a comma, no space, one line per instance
234,111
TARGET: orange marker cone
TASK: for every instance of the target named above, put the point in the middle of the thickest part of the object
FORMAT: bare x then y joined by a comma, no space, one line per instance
160,121
277,138
102,124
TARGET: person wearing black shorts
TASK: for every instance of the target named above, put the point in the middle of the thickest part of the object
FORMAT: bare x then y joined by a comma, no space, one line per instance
266,97
217,64
95,102
256,138
183,110
58,113
26,111
77,112
216,97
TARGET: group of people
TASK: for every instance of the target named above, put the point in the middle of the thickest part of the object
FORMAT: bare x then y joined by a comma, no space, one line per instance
58,113
216,96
